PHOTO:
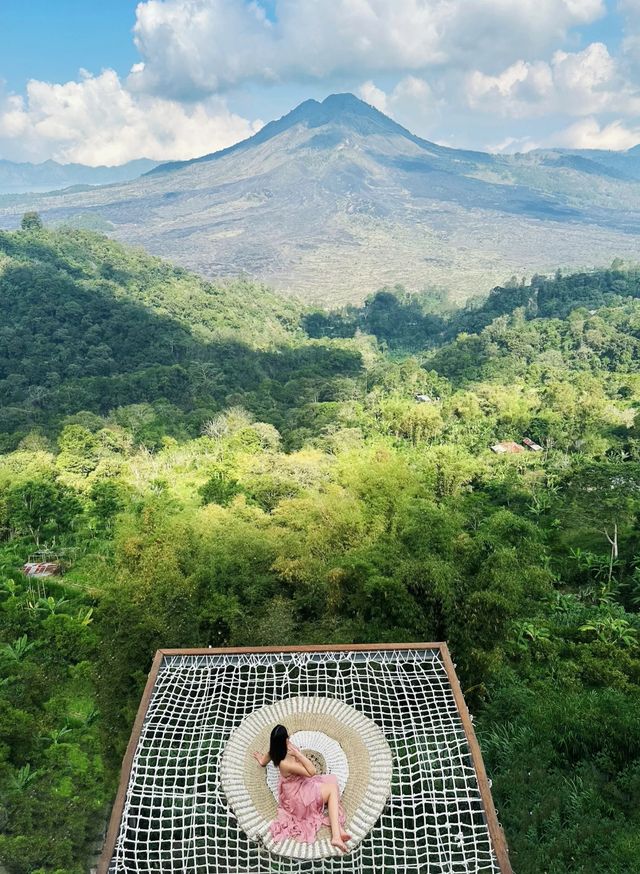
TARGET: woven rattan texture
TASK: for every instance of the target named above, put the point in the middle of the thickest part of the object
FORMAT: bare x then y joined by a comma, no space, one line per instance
369,765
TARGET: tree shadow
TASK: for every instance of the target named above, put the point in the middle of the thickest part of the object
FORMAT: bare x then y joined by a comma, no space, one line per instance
74,340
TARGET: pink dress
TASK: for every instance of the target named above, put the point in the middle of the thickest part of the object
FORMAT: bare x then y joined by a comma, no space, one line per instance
301,808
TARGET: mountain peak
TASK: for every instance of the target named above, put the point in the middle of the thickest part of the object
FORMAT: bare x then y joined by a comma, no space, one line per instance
347,102
346,109
343,110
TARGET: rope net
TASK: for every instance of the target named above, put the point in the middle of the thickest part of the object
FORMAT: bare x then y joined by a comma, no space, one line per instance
176,817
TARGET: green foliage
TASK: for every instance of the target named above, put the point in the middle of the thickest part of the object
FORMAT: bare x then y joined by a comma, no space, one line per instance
612,629
394,316
31,221
107,500
40,508
218,478
565,764
17,650
52,780
123,338
219,489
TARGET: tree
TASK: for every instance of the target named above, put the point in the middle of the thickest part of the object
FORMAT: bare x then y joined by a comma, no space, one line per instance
107,501
79,450
31,221
41,508
219,488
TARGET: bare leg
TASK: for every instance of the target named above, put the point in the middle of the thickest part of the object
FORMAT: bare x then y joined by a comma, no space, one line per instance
331,799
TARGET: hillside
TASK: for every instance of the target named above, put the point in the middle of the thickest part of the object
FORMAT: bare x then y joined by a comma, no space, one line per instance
95,327
624,165
335,200
413,322
89,325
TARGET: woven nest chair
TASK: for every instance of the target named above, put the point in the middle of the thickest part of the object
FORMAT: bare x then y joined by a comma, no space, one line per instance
338,739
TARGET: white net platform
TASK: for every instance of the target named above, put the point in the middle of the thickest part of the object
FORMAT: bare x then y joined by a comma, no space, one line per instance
176,817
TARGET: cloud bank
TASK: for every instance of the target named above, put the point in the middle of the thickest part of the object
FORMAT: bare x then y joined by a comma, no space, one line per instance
194,47
97,120
579,83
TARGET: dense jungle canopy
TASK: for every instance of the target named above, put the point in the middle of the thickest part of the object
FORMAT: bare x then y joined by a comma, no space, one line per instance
219,465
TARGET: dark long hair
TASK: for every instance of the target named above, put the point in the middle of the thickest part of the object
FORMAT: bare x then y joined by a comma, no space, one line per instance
278,744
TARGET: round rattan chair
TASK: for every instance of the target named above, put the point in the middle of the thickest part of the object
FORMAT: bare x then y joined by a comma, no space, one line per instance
338,739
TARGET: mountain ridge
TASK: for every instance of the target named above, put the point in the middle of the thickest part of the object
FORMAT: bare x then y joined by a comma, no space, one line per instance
315,113
21,177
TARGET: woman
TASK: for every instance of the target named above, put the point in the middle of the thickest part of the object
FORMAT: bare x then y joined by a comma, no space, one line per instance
302,794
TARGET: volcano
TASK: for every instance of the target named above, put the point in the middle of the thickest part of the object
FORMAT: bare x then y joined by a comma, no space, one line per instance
335,199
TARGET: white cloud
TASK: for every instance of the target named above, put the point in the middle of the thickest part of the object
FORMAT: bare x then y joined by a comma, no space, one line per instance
370,93
413,88
465,70
98,121
13,123
509,145
513,91
195,47
411,95
575,83
588,133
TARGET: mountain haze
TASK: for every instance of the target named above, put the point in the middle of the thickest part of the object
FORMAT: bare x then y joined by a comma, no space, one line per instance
336,199
18,177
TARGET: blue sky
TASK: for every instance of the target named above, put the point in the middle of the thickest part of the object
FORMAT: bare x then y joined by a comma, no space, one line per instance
53,39
105,82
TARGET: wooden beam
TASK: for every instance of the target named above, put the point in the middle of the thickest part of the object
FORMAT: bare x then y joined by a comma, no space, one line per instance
495,829
125,773
348,647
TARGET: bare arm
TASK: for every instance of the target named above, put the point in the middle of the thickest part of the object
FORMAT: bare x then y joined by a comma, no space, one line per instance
307,765
262,760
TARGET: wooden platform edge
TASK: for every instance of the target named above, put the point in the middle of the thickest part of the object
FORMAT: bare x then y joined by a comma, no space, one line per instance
125,773
324,647
496,833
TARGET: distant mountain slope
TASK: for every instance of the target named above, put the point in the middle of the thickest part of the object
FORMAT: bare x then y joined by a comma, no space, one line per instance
335,199
352,113
18,178
618,165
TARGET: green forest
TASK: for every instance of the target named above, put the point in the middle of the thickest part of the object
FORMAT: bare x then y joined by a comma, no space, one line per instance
219,465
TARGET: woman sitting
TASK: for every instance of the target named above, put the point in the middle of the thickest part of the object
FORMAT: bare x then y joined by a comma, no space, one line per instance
302,794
